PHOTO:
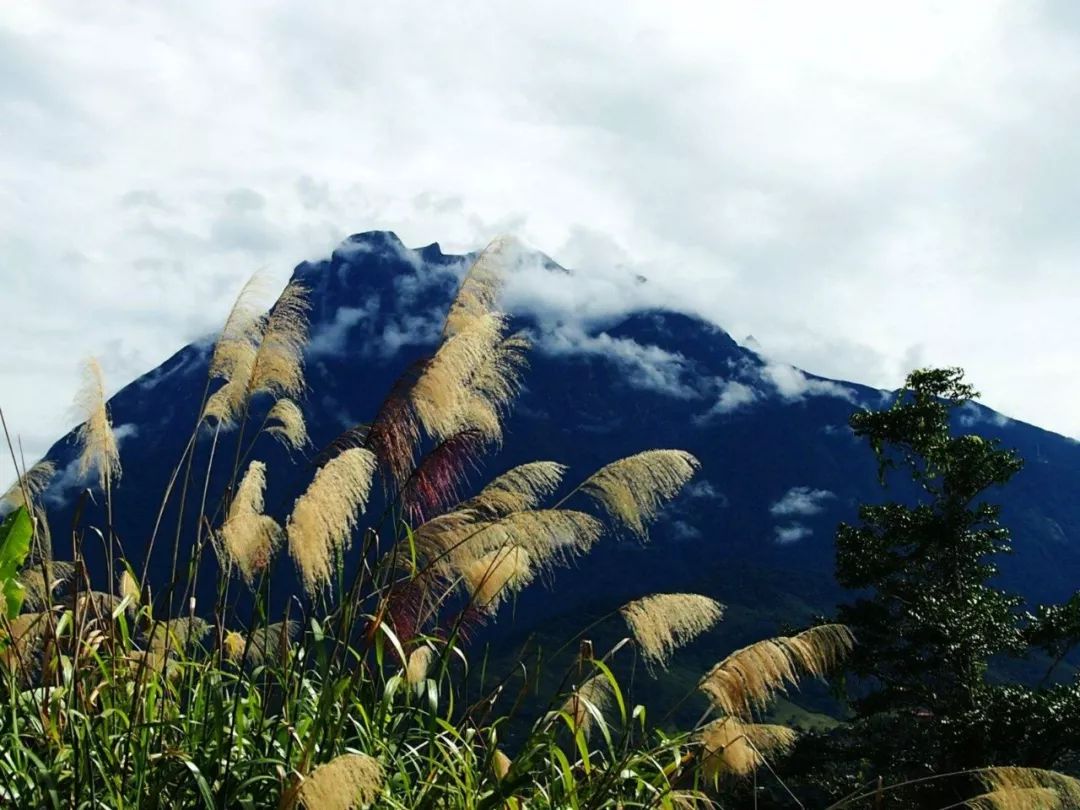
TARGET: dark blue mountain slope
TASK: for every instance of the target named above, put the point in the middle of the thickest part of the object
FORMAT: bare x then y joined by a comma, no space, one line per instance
779,466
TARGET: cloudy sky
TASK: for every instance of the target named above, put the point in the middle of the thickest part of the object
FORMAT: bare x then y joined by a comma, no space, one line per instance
864,187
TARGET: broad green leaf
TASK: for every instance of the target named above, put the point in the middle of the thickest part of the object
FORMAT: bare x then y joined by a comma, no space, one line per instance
15,534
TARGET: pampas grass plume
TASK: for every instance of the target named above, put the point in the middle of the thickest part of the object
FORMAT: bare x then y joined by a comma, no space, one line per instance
493,575
248,536
1016,788
346,782
520,488
279,362
737,748
285,422
97,442
749,678
324,517
233,646
632,490
662,623
416,668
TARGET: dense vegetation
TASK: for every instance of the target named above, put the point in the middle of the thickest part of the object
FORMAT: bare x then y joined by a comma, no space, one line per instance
366,690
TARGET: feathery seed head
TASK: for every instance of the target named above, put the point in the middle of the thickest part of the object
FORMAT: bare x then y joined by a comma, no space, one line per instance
442,393
1016,788
500,763
662,623
479,290
632,490
129,587
241,332
346,782
549,537
271,640
249,537
324,517
99,450
517,489
233,646
738,749
495,574
279,362
285,422
434,484
250,540
749,678
416,669
177,634
249,495
226,404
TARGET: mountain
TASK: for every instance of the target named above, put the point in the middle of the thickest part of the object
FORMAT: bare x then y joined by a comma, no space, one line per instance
780,468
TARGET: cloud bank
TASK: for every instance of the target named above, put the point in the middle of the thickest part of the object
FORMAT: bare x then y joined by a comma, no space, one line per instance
864,188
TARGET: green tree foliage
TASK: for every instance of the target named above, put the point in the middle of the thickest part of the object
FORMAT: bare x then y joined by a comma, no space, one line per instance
928,620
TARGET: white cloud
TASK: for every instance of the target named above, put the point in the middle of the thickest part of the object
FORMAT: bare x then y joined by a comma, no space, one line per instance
733,396
971,415
793,533
802,501
69,478
330,337
644,366
859,186
793,385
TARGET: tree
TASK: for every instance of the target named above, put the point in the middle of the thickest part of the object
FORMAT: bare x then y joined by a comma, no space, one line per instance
927,620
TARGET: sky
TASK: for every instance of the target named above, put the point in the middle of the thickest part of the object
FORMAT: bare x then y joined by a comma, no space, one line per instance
863,187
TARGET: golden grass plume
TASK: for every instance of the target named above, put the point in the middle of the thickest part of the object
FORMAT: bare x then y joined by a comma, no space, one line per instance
500,764
234,350
98,448
632,490
456,540
442,397
749,678
285,422
278,367
346,782
734,748
1016,788
520,488
418,664
479,290
661,623
492,576
129,588
232,646
226,405
177,634
324,517
249,537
